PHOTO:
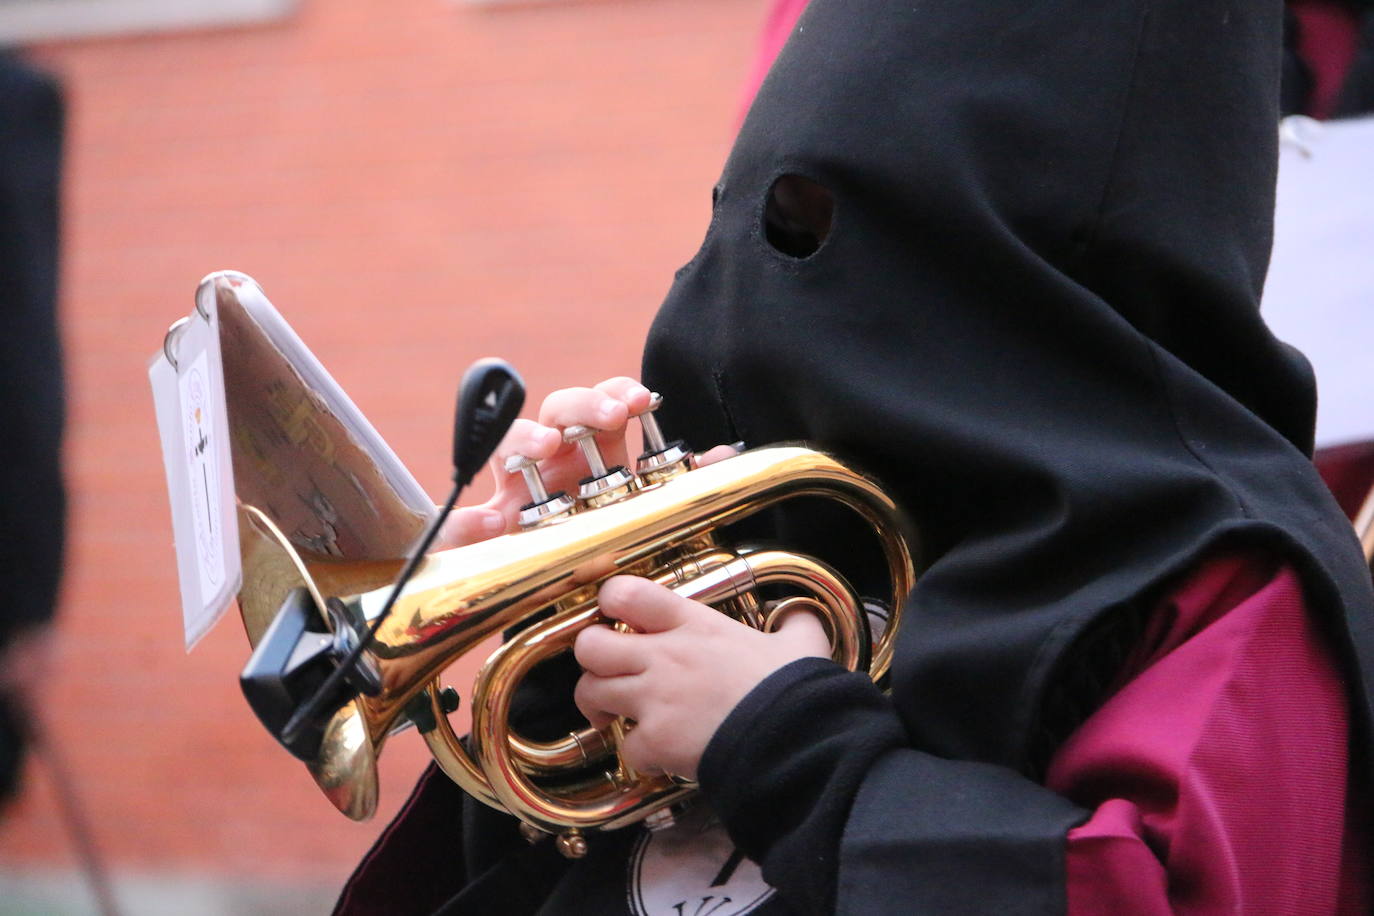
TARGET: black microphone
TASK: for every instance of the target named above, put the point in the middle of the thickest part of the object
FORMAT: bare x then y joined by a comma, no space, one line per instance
489,399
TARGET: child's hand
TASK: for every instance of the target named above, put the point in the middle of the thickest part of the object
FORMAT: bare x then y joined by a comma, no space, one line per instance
606,407
683,645
681,674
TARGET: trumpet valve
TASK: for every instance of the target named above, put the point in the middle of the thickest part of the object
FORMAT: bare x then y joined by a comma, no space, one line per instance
542,507
604,485
648,424
660,459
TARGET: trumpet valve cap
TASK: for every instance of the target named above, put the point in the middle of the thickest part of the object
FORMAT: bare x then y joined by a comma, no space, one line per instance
548,510
656,467
518,463
529,469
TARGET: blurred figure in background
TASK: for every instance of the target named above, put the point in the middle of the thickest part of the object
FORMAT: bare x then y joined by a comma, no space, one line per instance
1329,74
32,498
1328,67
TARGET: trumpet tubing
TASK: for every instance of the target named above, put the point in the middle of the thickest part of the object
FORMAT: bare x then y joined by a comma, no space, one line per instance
666,530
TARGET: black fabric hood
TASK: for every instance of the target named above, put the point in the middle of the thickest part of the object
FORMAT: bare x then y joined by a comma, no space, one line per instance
1034,317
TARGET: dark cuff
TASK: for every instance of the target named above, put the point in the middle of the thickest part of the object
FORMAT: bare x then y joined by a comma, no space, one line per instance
784,767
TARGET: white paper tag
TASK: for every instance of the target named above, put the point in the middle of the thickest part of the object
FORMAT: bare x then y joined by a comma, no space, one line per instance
192,422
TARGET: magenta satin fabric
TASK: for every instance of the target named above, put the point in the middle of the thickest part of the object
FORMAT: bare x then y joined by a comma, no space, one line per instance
1217,773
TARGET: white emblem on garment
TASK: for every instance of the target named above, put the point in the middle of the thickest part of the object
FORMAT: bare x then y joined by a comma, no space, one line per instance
692,869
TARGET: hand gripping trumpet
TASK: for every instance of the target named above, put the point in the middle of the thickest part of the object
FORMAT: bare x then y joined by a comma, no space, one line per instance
660,521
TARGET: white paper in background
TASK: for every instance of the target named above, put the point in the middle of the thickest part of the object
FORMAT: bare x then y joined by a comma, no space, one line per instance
1319,295
188,393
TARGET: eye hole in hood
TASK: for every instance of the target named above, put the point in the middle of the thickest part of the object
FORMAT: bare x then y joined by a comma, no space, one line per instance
797,216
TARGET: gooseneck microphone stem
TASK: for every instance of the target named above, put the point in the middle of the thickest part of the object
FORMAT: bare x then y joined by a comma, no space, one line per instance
313,706
489,399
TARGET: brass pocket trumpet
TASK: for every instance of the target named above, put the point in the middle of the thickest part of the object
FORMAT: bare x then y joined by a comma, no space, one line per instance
660,523
326,512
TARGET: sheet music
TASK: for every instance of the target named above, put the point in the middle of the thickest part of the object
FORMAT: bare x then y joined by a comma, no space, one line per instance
282,436
1319,295
303,452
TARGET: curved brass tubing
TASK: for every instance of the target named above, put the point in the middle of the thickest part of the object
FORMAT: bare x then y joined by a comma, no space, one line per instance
459,598
717,579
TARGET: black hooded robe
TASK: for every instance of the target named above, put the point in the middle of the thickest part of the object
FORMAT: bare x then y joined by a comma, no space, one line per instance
1027,302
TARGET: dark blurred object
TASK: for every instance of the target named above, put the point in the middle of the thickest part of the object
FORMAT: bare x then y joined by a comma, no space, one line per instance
12,733
1328,67
32,498
1349,471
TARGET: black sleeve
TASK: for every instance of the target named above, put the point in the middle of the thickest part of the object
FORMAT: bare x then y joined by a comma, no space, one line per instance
815,758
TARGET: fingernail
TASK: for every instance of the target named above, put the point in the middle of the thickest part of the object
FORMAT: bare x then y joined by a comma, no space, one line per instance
606,412
738,445
493,523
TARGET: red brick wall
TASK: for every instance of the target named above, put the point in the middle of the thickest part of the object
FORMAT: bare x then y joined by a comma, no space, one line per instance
415,183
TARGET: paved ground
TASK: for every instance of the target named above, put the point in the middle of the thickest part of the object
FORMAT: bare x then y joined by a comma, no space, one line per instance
64,893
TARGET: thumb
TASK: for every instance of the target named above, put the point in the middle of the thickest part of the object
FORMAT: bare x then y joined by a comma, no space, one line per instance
644,605
804,632
719,453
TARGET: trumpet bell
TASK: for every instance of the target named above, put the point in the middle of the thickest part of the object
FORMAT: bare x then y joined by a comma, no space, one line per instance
345,766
